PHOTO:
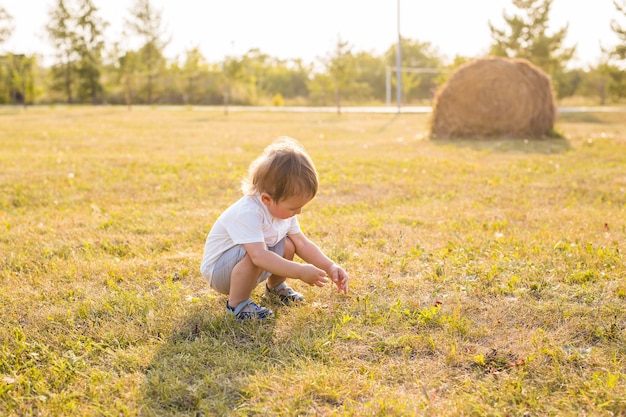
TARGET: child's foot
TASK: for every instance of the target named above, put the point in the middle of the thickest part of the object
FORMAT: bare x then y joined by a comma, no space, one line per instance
283,294
249,310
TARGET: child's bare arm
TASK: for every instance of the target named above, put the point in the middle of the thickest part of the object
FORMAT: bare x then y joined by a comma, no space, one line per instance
311,253
270,261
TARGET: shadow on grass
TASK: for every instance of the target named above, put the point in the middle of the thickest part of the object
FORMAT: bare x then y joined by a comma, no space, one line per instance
582,117
388,123
552,145
203,368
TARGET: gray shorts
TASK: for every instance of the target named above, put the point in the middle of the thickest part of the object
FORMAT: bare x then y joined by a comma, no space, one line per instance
220,280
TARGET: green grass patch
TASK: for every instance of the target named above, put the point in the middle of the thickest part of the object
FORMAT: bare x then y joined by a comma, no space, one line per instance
487,276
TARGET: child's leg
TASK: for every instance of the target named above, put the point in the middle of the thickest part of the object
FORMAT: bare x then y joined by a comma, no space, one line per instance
275,288
290,251
243,280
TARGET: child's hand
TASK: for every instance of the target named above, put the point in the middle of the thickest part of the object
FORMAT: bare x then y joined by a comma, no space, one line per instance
312,275
339,277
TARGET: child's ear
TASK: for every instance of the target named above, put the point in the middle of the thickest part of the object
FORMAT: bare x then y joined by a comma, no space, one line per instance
266,199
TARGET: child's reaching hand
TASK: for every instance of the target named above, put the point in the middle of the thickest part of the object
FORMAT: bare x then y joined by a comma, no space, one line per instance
313,275
339,277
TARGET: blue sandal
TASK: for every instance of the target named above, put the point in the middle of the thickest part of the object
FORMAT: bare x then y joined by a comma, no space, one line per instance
283,294
254,311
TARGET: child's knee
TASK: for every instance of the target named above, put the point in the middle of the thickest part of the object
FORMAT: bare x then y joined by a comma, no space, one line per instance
290,249
247,267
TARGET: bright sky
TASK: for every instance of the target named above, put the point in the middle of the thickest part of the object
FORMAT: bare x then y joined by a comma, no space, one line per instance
310,29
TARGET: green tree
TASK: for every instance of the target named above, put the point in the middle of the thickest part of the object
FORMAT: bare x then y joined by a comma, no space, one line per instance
6,29
76,32
267,78
21,78
256,65
17,79
232,80
321,89
571,81
146,22
194,67
61,29
191,81
89,44
617,86
371,74
526,36
422,62
341,69
128,72
595,82
620,49
288,78
6,25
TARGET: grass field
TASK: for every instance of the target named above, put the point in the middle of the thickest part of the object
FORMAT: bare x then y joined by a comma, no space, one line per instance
487,277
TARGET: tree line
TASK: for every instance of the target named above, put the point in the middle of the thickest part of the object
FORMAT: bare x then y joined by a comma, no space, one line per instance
85,71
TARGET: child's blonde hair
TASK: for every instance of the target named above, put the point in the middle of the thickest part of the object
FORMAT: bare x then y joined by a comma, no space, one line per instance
283,170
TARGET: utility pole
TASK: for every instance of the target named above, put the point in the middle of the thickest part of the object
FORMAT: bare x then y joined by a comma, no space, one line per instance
399,64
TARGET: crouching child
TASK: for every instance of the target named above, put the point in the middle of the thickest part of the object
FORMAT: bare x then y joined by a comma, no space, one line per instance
255,240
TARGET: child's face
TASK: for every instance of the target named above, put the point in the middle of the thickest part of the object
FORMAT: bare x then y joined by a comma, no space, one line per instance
285,208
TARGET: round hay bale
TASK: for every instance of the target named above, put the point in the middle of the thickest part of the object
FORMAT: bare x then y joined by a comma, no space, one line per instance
493,96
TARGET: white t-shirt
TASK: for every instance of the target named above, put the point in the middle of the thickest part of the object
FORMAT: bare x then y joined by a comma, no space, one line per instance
246,221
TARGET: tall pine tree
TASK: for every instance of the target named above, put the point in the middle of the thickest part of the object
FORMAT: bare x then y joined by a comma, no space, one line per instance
146,22
60,28
617,88
526,36
89,46
620,49
6,25
341,69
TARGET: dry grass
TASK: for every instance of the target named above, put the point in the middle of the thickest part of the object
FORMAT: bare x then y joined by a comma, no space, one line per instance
487,276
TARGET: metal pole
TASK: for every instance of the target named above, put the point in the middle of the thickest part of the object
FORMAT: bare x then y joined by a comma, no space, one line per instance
388,86
399,64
